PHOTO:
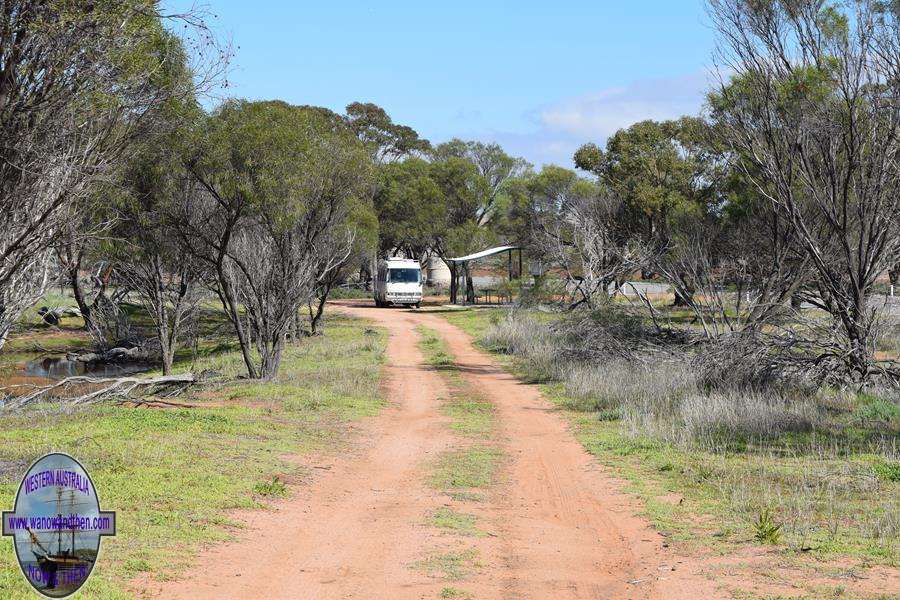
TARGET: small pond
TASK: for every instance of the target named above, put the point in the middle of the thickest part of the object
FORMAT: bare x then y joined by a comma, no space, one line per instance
55,368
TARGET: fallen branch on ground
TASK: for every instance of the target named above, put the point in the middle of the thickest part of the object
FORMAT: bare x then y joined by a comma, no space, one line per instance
118,387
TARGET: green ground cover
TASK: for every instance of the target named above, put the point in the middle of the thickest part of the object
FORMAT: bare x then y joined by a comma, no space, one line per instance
173,475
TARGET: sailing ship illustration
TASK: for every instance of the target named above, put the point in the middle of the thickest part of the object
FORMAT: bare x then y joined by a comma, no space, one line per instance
67,566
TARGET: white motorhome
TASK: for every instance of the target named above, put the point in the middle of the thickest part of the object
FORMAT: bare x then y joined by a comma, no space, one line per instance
398,281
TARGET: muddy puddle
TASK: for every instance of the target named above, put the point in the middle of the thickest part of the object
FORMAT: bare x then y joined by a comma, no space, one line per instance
54,368
23,377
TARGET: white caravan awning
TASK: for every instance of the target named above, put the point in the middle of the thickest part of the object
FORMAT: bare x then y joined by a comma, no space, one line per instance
484,253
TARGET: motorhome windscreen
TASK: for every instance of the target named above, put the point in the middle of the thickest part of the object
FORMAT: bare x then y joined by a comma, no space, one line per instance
403,275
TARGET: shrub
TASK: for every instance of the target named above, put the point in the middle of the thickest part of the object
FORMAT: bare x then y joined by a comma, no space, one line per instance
767,531
273,488
533,341
888,340
887,470
546,290
876,408
613,384
511,334
721,418
749,361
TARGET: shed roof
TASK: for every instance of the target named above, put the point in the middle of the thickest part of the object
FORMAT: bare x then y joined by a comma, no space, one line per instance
484,253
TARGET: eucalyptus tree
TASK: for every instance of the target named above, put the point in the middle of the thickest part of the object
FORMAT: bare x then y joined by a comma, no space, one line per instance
356,239
78,80
410,206
279,180
493,163
154,191
645,166
387,141
661,172
810,107
465,193
577,228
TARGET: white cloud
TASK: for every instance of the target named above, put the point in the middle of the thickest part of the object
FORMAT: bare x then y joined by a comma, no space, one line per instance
561,127
600,114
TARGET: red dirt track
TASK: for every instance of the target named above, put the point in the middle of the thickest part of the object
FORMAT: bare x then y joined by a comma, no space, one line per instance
559,527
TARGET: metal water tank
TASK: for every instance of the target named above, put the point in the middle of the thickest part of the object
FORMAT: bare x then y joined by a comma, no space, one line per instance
437,272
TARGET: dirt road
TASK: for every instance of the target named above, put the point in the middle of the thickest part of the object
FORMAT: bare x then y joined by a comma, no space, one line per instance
559,528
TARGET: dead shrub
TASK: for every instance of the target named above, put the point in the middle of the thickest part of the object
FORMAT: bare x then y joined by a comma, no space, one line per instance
749,361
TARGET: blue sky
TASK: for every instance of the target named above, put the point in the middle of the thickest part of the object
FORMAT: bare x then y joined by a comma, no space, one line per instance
539,77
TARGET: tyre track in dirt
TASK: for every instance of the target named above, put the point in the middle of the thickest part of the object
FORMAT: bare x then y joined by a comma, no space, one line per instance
357,529
568,530
562,530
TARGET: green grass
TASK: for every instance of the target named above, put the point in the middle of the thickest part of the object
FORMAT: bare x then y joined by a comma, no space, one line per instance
273,488
344,293
434,348
767,529
458,594
471,414
455,522
474,321
467,468
465,472
824,507
823,494
451,566
465,496
172,475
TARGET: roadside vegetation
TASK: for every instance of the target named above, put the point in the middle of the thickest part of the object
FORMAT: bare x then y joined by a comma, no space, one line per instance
175,474
749,386
807,471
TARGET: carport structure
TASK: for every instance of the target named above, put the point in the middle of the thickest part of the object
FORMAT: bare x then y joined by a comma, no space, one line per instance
460,267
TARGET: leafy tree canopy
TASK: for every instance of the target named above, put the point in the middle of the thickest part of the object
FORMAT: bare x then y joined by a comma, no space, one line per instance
386,140
493,164
266,156
410,206
658,169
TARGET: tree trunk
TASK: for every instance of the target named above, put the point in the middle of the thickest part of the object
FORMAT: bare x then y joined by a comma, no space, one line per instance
165,340
314,318
73,266
683,297
470,287
857,326
78,293
365,277
454,284
168,358
270,358
232,309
